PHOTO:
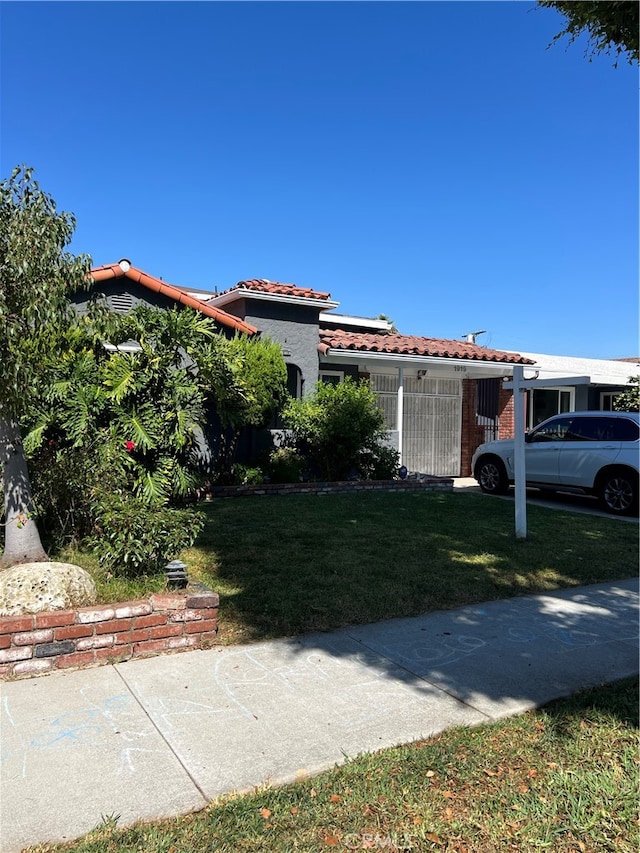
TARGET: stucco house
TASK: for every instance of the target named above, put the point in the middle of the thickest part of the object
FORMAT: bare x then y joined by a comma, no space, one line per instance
440,398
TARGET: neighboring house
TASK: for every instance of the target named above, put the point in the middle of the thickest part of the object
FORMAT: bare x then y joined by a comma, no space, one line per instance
440,398
566,384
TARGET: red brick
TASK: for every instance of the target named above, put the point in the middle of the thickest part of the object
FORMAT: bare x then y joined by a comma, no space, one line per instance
98,642
123,637
183,642
198,602
114,653
163,601
72,632
139,636
11,655
113,625
5,641
27,638
201,627
208,612
95,614
150,621
75,659
32,666
185,616
10,624
165,631
133,608
150,646
56,619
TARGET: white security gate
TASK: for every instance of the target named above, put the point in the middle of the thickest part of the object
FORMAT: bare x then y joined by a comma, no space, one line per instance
432,421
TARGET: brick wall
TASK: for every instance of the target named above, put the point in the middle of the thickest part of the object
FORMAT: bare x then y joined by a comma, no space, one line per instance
472,434
425,484
61,639
506,414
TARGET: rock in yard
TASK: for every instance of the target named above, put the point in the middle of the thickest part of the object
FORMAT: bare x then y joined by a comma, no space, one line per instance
35,587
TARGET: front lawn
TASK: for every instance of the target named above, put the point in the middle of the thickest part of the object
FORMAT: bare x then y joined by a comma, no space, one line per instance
288,565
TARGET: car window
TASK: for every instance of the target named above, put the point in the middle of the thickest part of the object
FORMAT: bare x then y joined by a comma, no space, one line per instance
591,429
624,429
555,431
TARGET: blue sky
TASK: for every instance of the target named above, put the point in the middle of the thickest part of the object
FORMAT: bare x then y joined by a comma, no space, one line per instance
433,161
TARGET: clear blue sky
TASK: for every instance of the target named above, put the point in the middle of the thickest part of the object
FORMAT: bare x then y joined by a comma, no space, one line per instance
432,161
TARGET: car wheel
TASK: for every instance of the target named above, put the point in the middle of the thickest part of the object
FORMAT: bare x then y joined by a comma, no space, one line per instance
492,476
618,492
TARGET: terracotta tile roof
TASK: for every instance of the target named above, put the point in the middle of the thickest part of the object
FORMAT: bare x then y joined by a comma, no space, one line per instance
263,285
123,269
410,345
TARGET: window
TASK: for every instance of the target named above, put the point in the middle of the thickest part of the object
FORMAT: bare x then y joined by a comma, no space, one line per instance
331,377
558,430
543,403
606,400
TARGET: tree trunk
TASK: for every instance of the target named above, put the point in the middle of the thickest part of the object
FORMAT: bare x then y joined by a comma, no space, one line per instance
21,537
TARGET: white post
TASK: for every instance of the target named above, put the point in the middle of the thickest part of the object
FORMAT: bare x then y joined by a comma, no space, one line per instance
519,469
400,412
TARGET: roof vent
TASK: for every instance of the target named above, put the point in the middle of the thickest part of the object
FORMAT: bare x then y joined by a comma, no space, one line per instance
121,303
470,337
124,264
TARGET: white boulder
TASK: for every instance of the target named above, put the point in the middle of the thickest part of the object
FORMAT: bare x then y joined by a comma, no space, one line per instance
36,587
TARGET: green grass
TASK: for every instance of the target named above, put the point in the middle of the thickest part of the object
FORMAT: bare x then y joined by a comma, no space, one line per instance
561,779
286,566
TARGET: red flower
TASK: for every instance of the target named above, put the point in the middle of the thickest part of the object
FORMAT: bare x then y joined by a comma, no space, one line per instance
130,445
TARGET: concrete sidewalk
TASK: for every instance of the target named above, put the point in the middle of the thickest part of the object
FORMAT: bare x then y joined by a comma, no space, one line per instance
158,737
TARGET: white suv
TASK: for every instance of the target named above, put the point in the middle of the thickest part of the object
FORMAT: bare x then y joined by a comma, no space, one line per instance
592,452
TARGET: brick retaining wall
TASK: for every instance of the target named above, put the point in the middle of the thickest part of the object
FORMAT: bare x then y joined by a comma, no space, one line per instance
107,633
422,484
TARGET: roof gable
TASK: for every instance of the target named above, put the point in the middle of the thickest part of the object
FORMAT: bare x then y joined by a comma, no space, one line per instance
123,269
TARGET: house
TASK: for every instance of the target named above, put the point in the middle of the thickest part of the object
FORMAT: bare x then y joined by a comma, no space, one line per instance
440,398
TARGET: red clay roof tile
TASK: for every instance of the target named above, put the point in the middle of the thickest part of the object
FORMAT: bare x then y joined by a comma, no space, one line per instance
118,270
263,285
410,345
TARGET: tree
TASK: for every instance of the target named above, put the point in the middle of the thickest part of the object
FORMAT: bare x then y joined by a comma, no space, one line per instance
250,395
610,26
36,273
116,433
629,400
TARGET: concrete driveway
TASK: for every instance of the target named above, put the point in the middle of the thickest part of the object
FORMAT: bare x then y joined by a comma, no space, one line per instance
553,500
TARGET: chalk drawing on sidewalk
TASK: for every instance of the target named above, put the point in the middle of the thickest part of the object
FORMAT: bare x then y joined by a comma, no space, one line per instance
94,725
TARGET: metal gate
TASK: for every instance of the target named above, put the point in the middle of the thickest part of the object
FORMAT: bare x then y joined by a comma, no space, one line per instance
432,421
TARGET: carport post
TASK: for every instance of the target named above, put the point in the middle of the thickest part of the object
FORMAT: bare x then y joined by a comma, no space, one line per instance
519,472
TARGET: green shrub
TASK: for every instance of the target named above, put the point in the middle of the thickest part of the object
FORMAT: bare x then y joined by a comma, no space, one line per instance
340,431
245,475
285,465
380,463
130,537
